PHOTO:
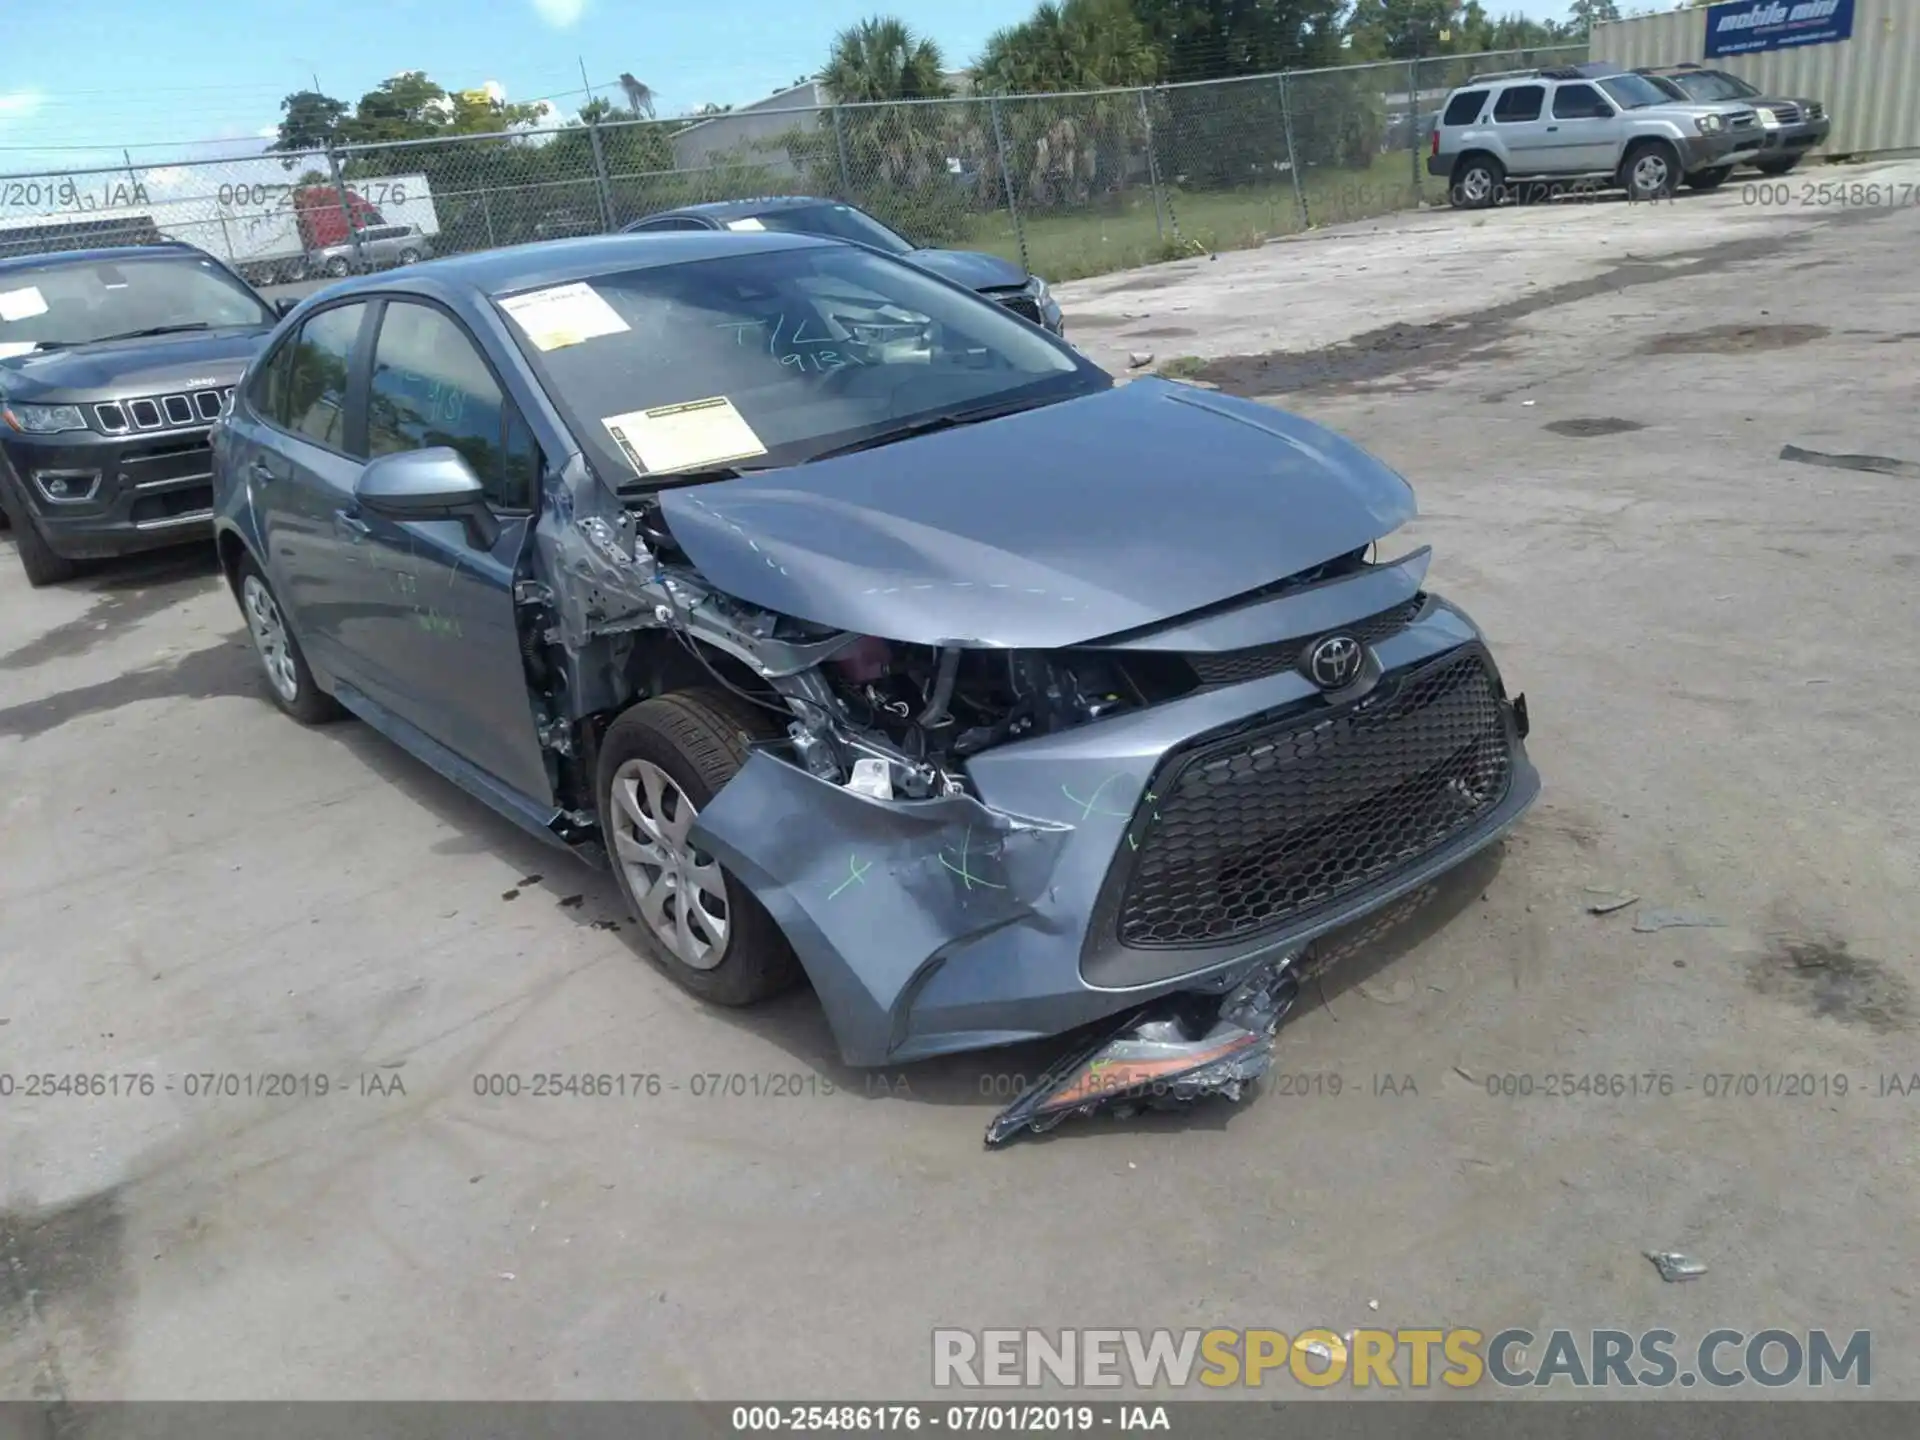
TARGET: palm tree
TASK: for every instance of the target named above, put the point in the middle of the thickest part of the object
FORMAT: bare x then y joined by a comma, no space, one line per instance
882,59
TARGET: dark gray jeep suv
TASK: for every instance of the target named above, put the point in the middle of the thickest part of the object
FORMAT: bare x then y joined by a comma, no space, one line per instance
113,366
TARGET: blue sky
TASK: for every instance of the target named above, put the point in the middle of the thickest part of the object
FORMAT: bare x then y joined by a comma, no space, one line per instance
80,76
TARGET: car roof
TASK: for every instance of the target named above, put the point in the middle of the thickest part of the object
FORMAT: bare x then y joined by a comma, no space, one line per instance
166,249
558,262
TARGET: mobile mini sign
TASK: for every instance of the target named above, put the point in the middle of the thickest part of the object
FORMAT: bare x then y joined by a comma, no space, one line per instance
1747,27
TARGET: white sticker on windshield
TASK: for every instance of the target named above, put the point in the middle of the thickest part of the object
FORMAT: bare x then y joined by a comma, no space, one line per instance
696,435
11,348
564,315
747,224
20,304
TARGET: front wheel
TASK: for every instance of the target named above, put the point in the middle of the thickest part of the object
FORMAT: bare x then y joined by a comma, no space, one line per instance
288,678
42,564
1650,172
1709,179
660,764
1777,167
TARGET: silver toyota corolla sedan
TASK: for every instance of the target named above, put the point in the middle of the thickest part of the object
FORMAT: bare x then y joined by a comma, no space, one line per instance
871,634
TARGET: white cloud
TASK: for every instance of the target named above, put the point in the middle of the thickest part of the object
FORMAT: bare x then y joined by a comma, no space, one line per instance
268,132
19,103
494,91
560,13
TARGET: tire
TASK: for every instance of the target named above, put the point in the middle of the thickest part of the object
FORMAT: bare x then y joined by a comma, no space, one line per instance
409,256
289,681
1709,179
1650,170
337,267
1476,184
694,741
1777,167
43,565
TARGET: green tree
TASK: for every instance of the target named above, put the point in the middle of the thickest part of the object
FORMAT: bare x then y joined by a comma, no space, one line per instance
882,59
1400,29
1073,45
308,121
1217,39
1583,15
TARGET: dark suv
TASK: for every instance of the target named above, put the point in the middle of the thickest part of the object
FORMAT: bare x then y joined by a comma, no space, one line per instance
1792,127
113,366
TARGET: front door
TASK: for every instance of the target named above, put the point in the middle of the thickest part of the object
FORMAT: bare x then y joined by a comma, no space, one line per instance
441,623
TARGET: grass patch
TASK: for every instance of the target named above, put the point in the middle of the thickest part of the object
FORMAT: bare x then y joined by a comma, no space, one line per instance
1182,367
1123,231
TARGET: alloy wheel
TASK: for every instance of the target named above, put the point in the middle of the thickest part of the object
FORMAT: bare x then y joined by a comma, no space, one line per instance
270,638
1650,173
680,891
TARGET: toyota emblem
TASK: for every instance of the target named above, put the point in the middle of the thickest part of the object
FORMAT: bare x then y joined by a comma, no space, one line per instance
1334,662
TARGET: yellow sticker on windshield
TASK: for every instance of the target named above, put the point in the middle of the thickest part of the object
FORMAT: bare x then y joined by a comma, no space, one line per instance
22,304
563,315
696,435
748,223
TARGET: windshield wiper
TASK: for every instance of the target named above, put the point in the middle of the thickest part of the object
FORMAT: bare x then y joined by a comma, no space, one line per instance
153,330
926,425
668,478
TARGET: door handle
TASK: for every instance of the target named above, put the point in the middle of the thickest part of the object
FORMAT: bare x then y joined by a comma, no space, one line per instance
351,526
1552,128
261,473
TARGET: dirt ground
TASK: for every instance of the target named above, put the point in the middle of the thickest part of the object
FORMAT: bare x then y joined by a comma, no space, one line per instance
1666,454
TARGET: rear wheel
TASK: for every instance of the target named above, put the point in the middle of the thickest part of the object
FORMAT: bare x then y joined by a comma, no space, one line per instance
1650,171
42,564
661,763
1709,179
337,266
409,256
1777,167
288,677
1476,184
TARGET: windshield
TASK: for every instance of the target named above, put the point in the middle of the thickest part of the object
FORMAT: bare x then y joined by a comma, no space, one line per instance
1714,87
778,355
1634,92
81,302
837,222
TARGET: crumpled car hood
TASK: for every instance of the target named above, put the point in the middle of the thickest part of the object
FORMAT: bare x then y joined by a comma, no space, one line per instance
1050,528
974,268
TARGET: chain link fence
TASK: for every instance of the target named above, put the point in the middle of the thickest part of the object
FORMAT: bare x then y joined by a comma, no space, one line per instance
1069,185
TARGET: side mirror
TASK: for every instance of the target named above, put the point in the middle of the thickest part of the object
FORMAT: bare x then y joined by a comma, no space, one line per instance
432,484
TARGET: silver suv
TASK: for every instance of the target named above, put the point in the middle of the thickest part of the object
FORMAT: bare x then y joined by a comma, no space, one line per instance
1584,123
381,246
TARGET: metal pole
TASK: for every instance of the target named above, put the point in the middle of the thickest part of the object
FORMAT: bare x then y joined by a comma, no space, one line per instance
1293,155
486,213
1413,123
1006,178
840,144
346,210
1153,171
600,176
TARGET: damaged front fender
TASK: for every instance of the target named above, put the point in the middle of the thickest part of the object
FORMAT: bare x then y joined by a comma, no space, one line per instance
873,909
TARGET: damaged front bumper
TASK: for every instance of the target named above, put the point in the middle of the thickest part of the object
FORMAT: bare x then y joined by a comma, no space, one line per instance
1176,848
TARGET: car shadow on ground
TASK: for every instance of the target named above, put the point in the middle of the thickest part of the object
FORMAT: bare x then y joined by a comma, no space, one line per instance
987,1080
120,593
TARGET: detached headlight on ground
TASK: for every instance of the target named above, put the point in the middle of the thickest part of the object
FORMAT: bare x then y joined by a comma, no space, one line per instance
1709,124
43,419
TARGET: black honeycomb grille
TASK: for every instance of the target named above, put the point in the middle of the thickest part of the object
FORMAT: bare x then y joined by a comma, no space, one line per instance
1251,832
1024,306
1256,662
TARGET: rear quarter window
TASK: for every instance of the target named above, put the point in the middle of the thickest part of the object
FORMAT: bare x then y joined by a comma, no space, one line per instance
1521,102
1464,108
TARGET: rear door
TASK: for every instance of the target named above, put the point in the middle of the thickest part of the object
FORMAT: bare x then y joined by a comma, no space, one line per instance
443,625
299,466
1584,130
1520,121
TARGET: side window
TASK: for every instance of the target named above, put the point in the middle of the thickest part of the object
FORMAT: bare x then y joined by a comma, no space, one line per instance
430,387
315,404
1579,102
1519,102
672,222
268,395
1464,108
